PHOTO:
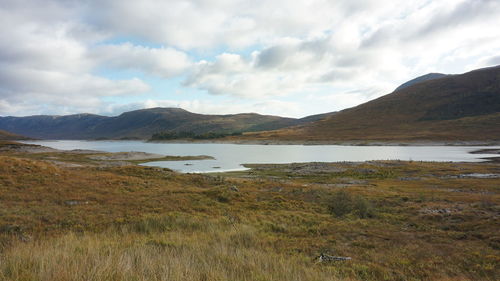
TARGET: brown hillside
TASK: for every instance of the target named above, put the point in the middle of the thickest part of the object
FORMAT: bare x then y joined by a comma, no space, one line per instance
455,107
4,135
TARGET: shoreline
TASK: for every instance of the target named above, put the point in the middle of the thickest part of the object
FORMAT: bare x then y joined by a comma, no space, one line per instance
341,143
147,159
301,142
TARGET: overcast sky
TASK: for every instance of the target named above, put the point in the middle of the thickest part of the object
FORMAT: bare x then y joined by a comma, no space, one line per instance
281,57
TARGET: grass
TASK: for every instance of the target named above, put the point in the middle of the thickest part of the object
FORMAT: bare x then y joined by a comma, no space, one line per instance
143,223
216,251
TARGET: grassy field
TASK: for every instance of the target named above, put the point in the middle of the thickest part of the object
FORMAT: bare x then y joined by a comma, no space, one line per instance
396,220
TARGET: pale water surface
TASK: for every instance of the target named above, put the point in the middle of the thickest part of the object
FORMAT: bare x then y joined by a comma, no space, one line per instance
231,156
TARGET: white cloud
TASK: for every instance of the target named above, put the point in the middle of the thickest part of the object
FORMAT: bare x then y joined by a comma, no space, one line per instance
46,65
58,83
208,23
378,47
230,74
163,62
52,52
293,67
39,89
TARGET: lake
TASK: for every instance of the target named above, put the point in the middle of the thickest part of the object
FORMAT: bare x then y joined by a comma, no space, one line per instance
230,157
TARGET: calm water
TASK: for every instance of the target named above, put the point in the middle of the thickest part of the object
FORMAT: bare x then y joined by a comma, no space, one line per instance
231,156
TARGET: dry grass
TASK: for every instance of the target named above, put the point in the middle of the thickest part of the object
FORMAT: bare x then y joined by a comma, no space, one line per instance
208,254
138,223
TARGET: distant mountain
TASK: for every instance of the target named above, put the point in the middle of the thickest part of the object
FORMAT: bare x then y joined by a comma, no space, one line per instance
52,127
453,107
142,124
423,78
4,135
430,107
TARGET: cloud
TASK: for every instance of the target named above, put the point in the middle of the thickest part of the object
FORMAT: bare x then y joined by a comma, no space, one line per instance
433,19
163,62
62,92
379,46
58,55
46,61
231,74
290,67
493,61
204,24
463,13
20,82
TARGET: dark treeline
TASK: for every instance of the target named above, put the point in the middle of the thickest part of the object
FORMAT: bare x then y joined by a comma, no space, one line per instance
190,135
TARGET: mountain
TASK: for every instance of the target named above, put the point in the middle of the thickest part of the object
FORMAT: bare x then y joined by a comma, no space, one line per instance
52,127
4,135
142,124
453,107
430,107
423,78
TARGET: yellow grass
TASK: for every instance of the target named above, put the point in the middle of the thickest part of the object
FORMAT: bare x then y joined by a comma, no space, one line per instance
214,254
138,223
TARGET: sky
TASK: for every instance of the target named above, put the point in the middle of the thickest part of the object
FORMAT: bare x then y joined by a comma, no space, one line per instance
283,57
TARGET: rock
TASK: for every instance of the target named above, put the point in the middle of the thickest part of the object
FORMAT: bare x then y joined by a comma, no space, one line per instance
75,202
480,176
409,179
472,176
328,258
439,211
234,188
365,171
25,238
276,189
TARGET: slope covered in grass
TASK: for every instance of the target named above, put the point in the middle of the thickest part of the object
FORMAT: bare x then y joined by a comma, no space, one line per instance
4,135
396,220
454,107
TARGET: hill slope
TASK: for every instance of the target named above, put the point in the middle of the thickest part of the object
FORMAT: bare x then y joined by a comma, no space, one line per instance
142,124
423,78
455,107
4,135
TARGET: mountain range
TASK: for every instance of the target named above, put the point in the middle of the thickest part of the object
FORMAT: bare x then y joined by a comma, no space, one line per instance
142,124
430,107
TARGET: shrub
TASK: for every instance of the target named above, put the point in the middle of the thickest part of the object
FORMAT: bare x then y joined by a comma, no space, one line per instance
222,196
343,203
340,204
362,207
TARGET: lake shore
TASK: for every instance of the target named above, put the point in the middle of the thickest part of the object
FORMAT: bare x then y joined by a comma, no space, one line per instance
489,151
88,157
344,143
232,156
